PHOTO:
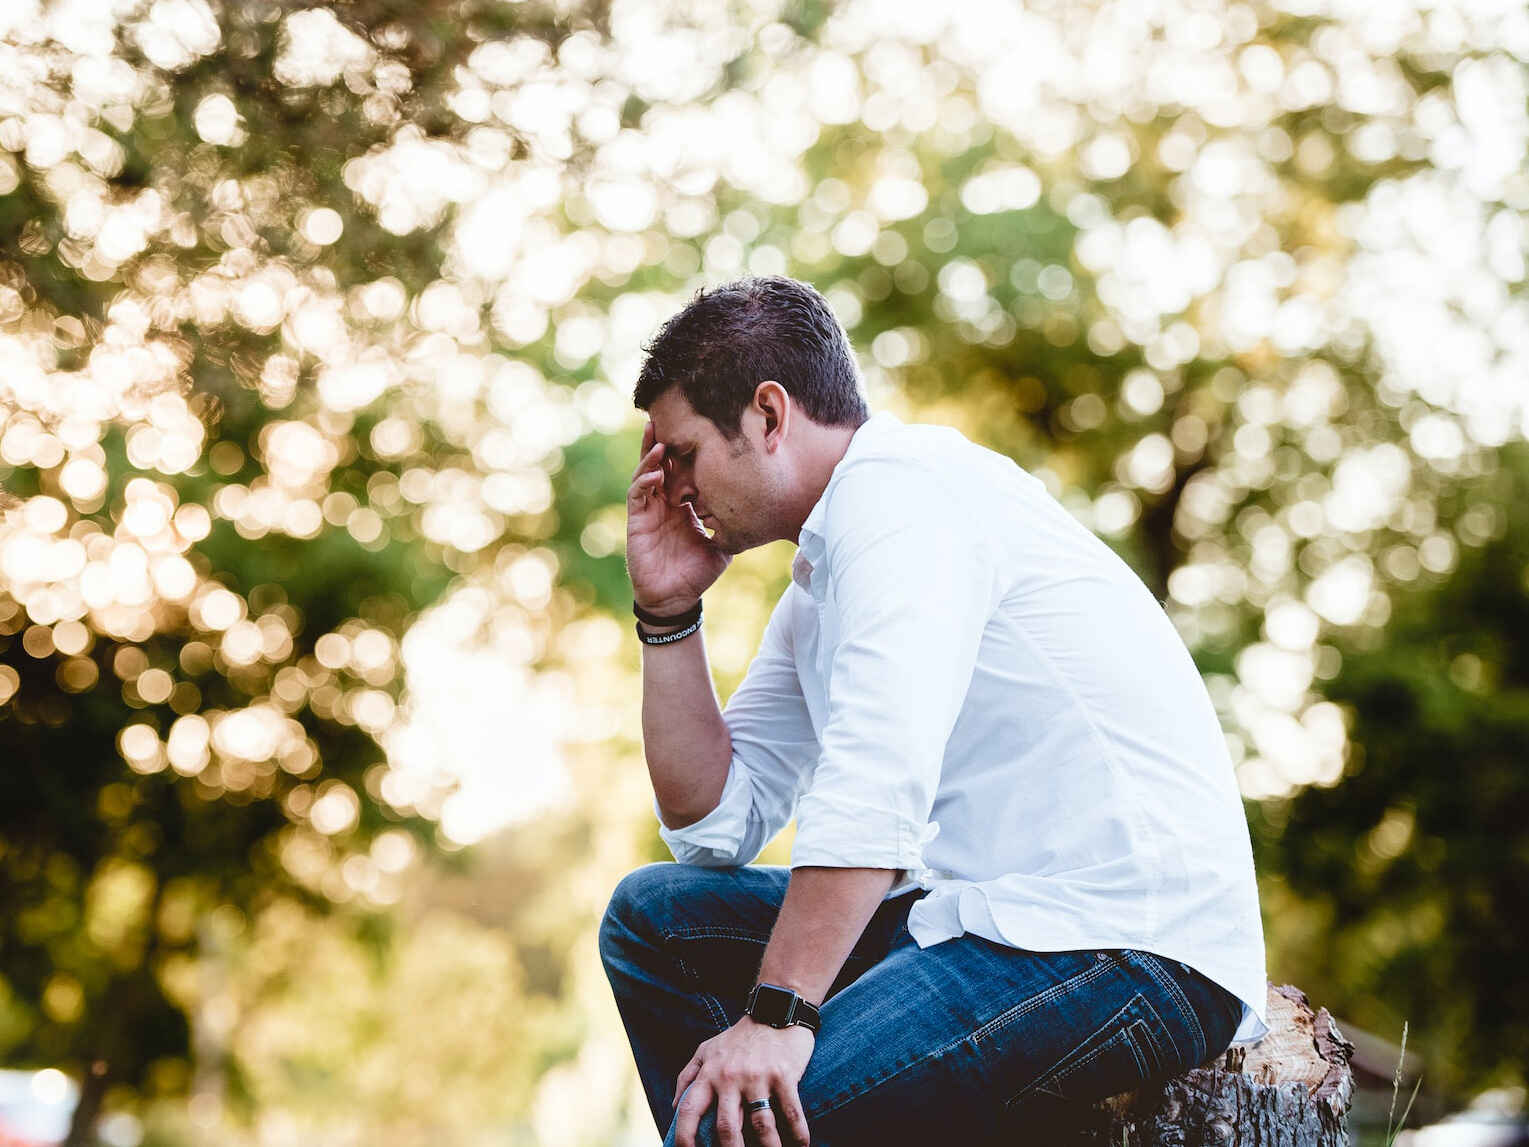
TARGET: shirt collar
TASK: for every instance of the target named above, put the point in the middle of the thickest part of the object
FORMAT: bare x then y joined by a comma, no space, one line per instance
810,542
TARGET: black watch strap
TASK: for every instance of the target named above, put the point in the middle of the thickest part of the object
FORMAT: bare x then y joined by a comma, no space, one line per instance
780,1007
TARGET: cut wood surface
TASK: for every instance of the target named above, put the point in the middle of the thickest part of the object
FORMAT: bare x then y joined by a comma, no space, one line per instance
1291,1089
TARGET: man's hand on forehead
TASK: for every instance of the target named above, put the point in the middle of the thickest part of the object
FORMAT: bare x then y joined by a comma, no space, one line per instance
669,557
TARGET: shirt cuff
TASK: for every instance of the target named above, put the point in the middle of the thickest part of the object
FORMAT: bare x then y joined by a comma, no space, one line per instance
714,840
842,834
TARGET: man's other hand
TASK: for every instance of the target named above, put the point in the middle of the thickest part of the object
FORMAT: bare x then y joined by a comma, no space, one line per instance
670,559
748,1061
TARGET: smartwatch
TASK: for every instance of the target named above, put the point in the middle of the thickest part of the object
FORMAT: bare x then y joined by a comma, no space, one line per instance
781,1007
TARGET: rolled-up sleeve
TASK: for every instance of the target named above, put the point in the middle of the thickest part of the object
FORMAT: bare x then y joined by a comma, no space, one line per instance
909,592
774,747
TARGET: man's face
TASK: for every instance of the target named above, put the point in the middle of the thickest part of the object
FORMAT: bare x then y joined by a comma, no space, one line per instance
722,479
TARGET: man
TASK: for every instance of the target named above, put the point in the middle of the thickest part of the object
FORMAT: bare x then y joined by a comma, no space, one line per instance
1021,877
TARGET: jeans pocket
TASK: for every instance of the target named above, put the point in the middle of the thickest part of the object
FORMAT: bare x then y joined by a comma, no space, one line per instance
1120,1056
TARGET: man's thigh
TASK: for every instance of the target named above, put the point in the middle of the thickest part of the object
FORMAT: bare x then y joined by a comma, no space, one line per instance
968,1036
667,901
715,923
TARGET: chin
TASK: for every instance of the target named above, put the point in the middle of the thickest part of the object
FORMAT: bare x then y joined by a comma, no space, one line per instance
730,545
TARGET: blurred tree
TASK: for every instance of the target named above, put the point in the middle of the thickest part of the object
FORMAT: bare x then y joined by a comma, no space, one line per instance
1417,859
217,544
314,317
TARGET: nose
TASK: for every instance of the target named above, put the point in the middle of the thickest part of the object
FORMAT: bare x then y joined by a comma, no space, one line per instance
679,486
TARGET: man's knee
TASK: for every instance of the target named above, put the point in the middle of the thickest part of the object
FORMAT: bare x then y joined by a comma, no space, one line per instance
640,901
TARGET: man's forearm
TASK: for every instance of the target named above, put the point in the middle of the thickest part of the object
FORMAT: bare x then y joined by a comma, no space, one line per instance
824,913
684,737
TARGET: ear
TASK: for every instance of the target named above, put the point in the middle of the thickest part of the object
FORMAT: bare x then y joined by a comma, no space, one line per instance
773,406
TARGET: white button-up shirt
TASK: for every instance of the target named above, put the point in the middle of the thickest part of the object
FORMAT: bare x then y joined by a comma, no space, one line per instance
964,683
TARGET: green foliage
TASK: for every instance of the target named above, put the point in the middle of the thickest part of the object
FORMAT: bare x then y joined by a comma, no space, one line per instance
301,344
112,877
1419,850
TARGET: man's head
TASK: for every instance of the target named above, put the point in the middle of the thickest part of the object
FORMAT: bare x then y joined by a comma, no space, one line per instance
754,393
728,340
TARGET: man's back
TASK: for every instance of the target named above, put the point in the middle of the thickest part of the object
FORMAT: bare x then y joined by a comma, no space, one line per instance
1084,797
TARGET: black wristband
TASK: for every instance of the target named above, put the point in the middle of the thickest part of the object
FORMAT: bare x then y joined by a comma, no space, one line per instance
688,617
667,638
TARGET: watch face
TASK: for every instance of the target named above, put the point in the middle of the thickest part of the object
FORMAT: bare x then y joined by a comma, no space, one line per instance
772,1005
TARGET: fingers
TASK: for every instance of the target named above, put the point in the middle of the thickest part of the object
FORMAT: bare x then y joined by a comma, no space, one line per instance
687,1114
793,1119
763,1123
643,485
729,1119
652,451
692,1100
691,1070
790,1104
652,460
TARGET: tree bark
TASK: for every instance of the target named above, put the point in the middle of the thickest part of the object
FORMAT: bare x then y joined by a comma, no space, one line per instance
1291,1089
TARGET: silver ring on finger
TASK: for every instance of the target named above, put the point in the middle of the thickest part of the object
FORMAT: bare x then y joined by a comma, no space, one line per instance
754,1105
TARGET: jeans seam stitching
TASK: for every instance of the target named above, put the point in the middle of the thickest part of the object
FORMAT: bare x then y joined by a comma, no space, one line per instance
713,1005
718,931
1087,976
1139,1053
1180,1001
853,1092
1154,1046
1078,1065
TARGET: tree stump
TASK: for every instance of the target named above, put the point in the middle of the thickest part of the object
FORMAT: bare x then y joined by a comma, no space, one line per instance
1291,1089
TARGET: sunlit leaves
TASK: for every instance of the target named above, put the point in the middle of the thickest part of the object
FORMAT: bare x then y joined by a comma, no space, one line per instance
317,328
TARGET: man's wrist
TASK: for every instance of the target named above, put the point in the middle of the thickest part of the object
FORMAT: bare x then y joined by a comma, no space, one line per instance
666,614
777,1006
657,629
797,1027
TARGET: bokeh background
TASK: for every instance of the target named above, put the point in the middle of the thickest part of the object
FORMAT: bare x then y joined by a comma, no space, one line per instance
318,323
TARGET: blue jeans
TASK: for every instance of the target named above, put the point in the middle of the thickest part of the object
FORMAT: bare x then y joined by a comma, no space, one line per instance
965,1037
